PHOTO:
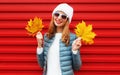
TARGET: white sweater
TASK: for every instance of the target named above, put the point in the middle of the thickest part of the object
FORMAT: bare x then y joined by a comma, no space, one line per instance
53,64
53,67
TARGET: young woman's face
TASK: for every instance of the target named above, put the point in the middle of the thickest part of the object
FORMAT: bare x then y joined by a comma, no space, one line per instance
60,18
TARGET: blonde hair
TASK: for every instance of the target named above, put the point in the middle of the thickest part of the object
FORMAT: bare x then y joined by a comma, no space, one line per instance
65,34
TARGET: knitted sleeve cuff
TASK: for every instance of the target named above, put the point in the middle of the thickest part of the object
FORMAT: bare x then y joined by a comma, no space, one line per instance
39,50
74,51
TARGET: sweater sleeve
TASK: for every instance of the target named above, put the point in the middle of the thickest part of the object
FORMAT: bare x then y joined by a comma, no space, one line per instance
74,52
39,50
76,61
40,56
40,59
76,58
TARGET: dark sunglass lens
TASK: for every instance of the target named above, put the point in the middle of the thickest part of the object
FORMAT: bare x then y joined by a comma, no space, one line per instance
56,14
64,17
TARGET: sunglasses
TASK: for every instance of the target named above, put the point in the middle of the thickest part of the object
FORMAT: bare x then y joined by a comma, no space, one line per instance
61,15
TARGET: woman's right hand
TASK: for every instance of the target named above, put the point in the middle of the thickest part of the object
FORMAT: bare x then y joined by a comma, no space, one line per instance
39,38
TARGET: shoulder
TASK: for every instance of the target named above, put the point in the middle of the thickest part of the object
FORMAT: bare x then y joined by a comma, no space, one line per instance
46,39
72,36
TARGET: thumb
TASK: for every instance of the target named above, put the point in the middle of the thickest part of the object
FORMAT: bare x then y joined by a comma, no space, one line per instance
39,35
74,42
79,38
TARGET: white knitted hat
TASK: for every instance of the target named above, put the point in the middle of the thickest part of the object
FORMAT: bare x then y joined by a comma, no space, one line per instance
67,9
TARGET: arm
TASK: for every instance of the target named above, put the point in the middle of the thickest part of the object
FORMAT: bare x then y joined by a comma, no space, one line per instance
40,54
77,62
40,57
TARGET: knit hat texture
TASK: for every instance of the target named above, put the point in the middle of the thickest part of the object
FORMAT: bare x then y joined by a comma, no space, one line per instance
67,9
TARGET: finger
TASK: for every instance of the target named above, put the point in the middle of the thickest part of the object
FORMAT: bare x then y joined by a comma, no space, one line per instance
78,46
74,42
39,35
79,38
78,41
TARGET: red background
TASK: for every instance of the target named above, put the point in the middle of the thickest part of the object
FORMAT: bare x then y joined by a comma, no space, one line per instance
18,50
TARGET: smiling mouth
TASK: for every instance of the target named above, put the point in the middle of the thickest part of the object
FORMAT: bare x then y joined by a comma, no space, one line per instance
58,22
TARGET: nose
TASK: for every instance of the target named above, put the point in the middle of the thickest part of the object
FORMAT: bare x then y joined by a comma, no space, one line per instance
59,17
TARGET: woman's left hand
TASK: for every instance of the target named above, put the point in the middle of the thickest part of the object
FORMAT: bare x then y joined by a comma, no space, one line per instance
76,44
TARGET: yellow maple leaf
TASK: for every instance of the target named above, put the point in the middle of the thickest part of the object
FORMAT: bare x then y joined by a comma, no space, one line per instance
34,26
85,32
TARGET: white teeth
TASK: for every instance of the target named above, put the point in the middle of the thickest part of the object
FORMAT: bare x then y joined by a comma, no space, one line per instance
58,21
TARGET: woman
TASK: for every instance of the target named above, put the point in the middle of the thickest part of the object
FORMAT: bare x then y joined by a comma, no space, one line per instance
60,52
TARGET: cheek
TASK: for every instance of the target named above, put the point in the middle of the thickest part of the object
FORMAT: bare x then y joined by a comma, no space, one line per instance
64,22
54,18
61,20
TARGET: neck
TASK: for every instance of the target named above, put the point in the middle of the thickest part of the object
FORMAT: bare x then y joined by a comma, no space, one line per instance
59,29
